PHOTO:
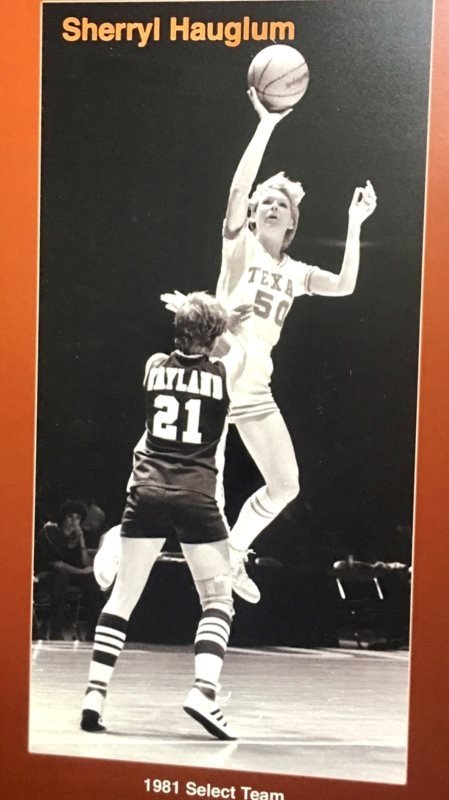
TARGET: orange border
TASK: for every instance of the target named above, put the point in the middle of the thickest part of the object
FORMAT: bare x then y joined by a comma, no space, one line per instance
25,775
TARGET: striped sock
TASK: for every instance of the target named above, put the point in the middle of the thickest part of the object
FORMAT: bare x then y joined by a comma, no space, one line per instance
256,514
110,637
210,646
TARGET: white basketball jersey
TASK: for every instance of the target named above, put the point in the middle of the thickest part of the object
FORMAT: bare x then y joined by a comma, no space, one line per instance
249,274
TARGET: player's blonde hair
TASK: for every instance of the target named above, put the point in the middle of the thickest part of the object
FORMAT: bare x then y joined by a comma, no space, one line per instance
293,191
198,322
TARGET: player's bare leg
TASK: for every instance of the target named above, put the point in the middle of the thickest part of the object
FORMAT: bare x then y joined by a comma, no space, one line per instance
268,442
137,560
211,571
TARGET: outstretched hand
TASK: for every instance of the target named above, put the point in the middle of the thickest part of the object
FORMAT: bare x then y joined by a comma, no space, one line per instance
173,300
363,203
272,116
238,316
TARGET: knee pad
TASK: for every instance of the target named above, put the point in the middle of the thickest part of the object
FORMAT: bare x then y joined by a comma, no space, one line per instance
107,558
217,593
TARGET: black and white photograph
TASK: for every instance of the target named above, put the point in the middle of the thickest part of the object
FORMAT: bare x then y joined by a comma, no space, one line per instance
230,269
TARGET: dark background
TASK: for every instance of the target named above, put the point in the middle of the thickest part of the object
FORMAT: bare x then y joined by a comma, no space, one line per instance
139,146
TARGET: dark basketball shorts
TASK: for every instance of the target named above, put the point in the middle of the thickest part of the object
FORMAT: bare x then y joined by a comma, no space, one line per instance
153,512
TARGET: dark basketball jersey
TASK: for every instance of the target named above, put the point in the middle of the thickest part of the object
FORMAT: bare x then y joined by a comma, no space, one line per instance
186,407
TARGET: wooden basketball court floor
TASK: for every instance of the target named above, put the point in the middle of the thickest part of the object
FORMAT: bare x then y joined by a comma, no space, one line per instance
332,713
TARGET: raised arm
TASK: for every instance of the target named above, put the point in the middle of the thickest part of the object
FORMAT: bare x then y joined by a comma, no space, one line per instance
248,167
86,559
228,348
327,283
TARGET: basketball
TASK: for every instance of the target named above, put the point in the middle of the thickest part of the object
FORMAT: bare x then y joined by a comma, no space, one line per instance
280,76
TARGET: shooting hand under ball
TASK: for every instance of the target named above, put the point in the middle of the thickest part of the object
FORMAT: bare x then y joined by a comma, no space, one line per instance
264,114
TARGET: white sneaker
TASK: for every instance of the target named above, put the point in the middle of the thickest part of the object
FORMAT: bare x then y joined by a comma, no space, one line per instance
208,714
107,558
241,582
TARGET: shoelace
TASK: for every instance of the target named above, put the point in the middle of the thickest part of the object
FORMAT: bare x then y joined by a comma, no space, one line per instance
244,554
221,699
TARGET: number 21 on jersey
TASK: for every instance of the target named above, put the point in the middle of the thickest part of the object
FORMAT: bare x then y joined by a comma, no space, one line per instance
165,420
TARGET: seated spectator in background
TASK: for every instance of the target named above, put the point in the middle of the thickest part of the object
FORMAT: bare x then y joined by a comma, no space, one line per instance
62,561
93,526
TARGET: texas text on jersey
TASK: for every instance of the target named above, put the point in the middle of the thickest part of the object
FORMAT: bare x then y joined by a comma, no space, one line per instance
249,274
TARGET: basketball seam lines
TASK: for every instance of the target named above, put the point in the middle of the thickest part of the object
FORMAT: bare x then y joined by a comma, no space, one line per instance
261,74
284,75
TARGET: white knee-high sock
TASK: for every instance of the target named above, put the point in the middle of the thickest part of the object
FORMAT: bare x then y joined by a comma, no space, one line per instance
258,511
211,641
110,637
